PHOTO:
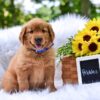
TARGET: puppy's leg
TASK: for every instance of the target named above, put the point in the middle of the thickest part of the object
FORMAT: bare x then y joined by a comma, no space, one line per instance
9,82
22,78
50,71
42,85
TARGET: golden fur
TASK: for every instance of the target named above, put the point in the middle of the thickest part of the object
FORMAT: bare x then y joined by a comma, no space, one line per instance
28,69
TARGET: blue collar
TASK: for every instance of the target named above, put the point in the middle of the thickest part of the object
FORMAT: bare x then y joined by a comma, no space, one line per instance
42,50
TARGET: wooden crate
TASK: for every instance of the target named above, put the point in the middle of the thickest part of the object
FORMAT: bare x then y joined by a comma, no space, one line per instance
69,70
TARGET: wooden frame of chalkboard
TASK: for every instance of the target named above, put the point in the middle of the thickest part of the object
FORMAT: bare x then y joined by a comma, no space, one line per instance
88,69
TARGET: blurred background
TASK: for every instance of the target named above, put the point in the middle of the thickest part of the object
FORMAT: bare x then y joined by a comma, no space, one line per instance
17,12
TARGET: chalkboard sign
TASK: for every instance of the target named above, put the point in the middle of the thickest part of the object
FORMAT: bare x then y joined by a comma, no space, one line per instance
88,69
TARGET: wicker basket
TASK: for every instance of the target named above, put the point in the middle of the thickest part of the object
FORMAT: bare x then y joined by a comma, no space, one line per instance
69,70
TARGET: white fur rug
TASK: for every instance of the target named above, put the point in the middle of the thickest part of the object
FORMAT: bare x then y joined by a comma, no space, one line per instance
64,27
68,92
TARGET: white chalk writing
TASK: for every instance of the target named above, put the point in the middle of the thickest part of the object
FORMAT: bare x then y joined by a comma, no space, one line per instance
89,72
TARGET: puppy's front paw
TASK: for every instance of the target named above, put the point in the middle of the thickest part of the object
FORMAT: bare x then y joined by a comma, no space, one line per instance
13,91
23,88
52,89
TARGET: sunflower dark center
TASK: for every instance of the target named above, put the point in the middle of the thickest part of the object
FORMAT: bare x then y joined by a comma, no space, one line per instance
80,46
93,47
86,37
95,28
99,40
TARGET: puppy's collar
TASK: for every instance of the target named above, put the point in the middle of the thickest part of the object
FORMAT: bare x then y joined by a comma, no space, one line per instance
42,50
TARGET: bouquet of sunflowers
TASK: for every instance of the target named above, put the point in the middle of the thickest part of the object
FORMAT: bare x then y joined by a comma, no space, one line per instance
85,42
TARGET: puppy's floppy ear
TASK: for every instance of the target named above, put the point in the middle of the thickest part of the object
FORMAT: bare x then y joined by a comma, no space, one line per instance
51,32
22,34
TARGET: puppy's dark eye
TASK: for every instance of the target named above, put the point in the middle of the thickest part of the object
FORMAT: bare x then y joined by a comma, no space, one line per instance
31,31
44,31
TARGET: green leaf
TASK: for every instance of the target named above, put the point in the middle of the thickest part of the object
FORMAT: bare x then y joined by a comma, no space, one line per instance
65,49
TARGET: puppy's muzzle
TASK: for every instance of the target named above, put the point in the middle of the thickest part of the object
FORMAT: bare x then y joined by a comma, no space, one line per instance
38,40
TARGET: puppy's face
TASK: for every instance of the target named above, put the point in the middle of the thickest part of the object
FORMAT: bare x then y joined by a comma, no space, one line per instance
37,34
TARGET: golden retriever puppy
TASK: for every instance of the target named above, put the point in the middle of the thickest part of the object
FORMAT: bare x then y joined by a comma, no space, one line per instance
33,66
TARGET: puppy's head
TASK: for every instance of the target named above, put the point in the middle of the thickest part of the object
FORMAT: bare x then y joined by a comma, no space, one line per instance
37,34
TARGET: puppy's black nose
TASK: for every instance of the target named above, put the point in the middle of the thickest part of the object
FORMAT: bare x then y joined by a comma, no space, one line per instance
38,40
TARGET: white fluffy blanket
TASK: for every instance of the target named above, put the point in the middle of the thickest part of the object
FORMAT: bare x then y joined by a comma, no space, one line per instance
68,92
64,27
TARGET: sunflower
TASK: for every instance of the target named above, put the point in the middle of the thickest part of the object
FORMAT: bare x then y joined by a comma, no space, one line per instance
85,35
79,47
94,47
93,25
